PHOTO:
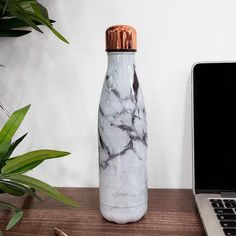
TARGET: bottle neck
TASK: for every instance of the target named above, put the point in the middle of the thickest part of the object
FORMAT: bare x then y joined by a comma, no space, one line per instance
121,59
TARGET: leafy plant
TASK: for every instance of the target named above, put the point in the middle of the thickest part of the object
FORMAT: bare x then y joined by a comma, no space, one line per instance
12,169
18,14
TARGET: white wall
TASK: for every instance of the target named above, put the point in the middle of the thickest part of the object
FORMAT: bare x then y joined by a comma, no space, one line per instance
63,82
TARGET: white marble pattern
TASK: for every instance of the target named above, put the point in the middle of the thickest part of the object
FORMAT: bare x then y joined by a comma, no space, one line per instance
122,132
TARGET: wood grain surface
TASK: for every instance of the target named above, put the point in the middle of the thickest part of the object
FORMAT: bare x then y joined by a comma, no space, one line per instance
170,212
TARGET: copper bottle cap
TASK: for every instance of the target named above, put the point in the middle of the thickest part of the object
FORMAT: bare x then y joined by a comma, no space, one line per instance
121,38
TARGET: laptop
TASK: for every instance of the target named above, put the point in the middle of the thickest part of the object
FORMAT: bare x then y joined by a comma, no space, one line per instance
214,145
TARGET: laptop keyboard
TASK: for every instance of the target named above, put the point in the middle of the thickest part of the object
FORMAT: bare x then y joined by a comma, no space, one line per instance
225,210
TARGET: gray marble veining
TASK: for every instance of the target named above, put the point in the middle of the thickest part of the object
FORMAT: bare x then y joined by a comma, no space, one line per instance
122,135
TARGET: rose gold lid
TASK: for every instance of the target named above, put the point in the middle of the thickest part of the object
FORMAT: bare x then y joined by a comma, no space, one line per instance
121,38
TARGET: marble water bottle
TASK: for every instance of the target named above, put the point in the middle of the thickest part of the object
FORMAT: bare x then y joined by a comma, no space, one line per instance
122,132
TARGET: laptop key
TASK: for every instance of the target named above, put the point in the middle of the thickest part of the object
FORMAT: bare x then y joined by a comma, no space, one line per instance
233,204
228,224
226,217
231,232
224,211
217,205
229,205
215,200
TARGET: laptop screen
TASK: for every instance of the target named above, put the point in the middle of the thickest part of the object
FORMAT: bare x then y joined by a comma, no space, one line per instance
214,100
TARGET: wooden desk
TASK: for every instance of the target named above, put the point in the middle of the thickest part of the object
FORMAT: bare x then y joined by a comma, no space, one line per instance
171,212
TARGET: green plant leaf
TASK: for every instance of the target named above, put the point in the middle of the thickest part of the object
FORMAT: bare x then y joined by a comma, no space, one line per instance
47,23
15,219
5,6
4,146
1,233
8,206
44,11
28,161
13,33
15,144
13,23
30,12
26,168
16,189
17,215
10,150
10,128
16,9
11,190
36,9
45,188
13,124
59,35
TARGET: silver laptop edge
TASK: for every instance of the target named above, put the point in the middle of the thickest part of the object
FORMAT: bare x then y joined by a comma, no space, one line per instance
209,219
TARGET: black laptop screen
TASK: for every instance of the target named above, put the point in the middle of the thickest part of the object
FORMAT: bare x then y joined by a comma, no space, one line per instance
214,96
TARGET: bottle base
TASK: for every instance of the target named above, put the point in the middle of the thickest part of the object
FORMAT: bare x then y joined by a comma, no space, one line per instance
123,215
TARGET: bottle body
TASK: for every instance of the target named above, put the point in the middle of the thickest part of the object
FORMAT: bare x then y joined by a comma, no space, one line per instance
122,136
